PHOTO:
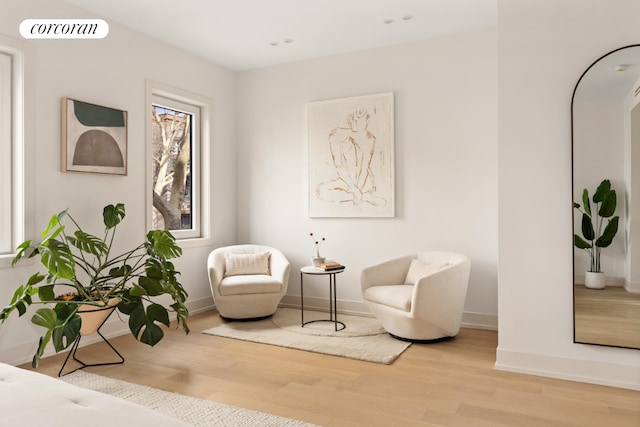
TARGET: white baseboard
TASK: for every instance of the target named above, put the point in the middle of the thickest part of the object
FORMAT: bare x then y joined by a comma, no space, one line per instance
199,305
632,287
359,308
615,281
23,353
611,280
480,321
587,371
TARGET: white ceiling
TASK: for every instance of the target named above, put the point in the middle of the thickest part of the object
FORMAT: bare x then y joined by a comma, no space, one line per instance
604,81
238,34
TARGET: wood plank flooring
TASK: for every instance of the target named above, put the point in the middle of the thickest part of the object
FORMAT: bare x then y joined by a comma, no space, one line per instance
446,384
609,316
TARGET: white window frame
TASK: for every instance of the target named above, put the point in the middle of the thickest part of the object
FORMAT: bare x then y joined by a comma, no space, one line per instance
200,107
6,152
16,190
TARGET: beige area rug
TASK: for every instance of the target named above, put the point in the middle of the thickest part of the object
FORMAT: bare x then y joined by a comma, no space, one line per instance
197,412
362,339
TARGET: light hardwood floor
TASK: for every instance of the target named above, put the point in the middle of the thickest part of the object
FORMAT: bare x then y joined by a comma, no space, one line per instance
609,316
446,384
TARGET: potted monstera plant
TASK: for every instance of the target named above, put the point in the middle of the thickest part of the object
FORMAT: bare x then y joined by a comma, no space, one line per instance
599,226
83,277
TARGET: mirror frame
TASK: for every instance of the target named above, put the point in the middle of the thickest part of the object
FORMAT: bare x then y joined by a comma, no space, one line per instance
573,273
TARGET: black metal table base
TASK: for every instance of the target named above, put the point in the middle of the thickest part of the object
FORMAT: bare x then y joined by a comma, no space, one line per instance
74,348
335,322
333,310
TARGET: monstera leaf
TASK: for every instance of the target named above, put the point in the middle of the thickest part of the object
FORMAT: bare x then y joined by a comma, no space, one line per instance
112,215
88,243
143,323
57,257
61,323
163,244
80,269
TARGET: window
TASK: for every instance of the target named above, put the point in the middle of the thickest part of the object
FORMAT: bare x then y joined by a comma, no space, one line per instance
173,131
177,133
6,163
13,146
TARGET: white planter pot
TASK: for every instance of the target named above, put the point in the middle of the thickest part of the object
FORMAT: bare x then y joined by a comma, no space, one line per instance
316,261
595,280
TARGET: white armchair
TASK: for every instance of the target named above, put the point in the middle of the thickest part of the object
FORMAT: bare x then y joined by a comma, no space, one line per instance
247,281
418,297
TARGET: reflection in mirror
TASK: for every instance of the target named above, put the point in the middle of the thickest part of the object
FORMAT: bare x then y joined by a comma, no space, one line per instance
606,146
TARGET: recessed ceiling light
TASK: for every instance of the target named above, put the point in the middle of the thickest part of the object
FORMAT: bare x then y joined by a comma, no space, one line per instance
288,41
622,67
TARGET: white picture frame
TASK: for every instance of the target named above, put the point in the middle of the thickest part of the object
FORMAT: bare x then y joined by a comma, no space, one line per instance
351,157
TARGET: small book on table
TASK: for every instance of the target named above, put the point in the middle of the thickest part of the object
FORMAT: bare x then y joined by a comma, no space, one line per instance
330,265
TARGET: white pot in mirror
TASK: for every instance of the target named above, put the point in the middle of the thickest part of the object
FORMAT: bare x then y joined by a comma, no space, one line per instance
594,280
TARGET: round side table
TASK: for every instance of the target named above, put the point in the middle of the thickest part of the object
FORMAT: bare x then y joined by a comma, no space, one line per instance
333,312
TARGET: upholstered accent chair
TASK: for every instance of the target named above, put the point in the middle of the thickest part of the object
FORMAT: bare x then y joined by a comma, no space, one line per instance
418,297
247,281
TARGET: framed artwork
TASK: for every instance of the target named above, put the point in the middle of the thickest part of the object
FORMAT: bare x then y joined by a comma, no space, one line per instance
351,157
94,138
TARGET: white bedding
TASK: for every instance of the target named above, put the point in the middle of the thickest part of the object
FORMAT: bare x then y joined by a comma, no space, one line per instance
31,399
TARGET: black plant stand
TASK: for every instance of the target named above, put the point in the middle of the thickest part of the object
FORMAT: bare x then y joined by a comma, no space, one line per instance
76,343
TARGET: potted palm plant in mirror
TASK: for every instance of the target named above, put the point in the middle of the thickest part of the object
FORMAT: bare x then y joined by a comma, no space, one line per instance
599,227
83,277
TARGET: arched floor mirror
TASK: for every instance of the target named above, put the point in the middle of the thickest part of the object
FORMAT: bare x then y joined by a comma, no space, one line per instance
605,118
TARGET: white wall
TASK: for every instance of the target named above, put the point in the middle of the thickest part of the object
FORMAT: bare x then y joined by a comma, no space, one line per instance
445,161
632,177
112,72
544,46
598,153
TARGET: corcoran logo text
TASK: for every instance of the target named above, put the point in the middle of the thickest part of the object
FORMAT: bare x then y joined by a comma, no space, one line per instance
64,29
